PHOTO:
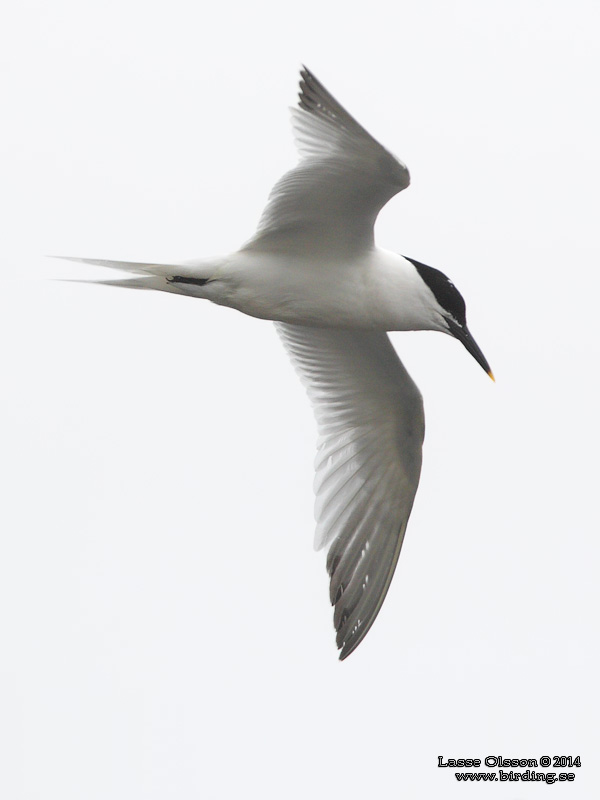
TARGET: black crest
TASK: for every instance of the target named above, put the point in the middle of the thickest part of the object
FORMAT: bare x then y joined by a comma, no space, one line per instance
445,292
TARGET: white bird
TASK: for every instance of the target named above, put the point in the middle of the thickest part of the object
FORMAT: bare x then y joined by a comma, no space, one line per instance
314,269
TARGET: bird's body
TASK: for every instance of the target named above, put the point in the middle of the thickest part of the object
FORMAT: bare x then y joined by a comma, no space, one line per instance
363,292
314,269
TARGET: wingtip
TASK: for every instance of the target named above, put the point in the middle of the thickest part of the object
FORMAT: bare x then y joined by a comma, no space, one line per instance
307,82
313,96
347,649
307,77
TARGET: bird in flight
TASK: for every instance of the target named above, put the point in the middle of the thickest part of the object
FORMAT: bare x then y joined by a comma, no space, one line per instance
314,269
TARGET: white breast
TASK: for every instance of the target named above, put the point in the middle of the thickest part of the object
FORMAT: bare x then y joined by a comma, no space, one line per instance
379,291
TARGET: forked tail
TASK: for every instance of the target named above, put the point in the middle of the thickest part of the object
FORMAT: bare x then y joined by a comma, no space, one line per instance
182,278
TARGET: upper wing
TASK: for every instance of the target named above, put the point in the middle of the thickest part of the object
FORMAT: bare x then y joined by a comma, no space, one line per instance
371,427
330,201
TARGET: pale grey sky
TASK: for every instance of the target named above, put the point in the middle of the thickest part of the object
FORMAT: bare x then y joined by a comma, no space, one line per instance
165,623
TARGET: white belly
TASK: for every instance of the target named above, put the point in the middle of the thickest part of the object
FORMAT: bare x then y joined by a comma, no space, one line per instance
378,291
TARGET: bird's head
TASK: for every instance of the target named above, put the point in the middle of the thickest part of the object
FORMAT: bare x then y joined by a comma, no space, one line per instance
450,310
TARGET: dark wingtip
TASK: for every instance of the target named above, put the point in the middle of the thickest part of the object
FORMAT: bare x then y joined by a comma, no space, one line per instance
338,594
347,649
308,85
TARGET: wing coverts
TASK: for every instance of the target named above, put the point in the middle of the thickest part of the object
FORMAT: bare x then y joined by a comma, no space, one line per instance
344,178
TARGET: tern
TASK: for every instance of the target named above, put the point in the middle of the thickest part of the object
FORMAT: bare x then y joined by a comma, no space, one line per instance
313,268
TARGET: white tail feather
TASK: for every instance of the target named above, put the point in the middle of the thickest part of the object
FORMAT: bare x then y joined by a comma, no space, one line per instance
158,283
202,268
160,277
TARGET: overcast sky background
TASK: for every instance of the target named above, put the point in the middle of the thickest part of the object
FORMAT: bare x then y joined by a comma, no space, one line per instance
164,624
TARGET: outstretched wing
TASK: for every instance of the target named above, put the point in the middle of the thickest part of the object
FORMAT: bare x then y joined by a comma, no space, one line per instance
371,427
329,202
